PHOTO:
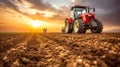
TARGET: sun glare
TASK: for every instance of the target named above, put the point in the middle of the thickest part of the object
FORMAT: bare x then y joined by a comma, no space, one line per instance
38,24
35,24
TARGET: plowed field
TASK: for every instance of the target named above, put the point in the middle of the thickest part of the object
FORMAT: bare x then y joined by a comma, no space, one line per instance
59,50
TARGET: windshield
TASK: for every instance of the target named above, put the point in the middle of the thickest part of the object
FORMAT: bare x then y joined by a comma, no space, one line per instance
84,10
80,10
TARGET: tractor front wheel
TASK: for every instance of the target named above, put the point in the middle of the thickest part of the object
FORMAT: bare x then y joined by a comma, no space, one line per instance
78,26
98,28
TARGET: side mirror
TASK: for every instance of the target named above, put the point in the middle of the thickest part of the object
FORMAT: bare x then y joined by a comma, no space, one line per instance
71,8
93,9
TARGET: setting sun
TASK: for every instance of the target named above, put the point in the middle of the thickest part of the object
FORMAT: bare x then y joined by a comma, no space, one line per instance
36,23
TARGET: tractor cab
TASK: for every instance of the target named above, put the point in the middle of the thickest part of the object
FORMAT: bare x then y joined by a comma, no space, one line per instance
77,11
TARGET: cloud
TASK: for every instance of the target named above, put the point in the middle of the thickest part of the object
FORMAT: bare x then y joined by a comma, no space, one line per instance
38,4
8,3
36,7
46,9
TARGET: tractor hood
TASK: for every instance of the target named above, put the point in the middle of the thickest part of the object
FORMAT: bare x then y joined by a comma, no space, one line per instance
87,17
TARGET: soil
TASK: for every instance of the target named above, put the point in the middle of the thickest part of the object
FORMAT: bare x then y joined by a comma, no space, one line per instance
59,50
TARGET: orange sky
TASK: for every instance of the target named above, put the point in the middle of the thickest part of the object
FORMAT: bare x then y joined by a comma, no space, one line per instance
12,21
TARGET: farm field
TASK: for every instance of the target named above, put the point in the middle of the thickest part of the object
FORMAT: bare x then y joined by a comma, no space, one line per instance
59,50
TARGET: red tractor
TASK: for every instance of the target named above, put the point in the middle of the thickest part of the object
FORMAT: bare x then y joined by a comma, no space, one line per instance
82,18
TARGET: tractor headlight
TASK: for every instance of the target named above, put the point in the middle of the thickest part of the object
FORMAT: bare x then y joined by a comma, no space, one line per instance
89,15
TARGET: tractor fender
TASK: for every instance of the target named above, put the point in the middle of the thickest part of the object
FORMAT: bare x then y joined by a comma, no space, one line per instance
70,20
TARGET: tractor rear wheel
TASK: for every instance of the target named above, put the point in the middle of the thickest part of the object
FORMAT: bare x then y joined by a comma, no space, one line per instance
78,26
98,28
67,27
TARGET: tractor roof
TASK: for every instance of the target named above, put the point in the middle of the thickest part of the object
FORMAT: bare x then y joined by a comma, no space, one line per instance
78,6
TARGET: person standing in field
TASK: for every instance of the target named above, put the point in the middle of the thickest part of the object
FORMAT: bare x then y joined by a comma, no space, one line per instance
44,30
